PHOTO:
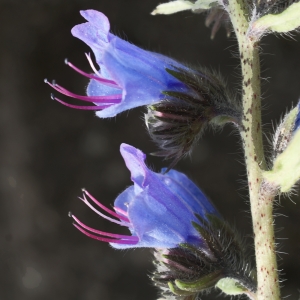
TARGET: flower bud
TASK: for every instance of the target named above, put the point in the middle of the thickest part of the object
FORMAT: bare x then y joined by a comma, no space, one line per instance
178,121
187,270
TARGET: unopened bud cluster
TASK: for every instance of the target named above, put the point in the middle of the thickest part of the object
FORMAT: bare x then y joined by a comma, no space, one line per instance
179,119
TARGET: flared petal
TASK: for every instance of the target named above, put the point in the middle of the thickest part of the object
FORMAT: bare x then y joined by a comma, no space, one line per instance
94,32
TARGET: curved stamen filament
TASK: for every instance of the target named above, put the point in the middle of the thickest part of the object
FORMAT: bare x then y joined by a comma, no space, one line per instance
110,99
113,235
99,78
88,56
108,240
122,223
96,107
105,208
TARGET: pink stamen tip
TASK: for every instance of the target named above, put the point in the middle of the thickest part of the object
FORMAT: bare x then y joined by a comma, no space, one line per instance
113,235
170,116
111,212
107,240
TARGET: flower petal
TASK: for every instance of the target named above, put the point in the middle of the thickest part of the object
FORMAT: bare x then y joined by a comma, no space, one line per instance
181,185
161,207
94,33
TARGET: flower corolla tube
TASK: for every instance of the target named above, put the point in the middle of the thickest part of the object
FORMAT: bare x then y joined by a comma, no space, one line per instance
181,101
194,247
130,76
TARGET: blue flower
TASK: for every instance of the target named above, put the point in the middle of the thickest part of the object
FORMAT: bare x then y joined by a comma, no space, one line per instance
181,101
194,247
128,77
158,209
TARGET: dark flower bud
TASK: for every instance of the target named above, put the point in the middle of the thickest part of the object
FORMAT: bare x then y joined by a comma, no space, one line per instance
185,271
179,119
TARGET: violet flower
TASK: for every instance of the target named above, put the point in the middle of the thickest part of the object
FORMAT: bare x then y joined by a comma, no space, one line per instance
194,247
157,209
181,101
128,77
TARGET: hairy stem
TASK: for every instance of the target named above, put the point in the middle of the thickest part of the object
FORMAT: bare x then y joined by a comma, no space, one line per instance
261,198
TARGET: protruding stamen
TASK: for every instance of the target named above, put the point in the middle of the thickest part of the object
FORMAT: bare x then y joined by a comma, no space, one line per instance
88,56
122,223
102,239
99,77
110,99
121,217
96,107
113,235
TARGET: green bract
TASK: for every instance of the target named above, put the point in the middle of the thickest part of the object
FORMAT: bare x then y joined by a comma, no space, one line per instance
180,5
231,286
286,160
286,168
284,22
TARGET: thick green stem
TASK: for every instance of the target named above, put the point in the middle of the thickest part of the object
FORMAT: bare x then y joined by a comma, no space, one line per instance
261,197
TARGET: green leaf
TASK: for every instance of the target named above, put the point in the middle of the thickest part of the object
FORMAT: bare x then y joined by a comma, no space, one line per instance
286,168
172,7
230,286
198,285
181,5
286,21
203,4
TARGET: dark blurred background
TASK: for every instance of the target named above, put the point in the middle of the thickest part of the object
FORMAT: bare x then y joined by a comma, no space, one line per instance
49,152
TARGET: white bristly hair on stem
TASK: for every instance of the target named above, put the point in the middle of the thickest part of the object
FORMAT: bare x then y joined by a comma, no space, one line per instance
261,194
